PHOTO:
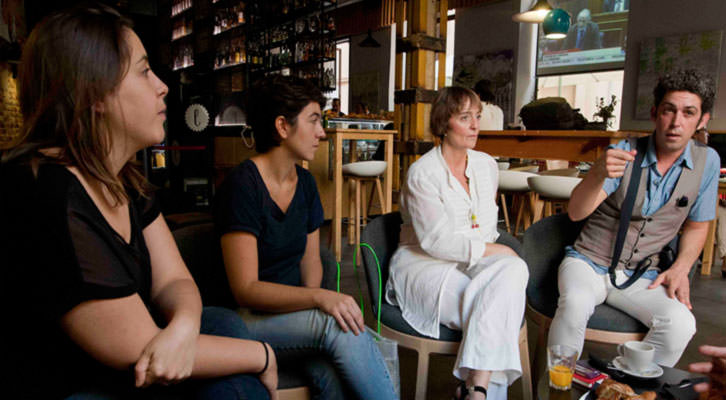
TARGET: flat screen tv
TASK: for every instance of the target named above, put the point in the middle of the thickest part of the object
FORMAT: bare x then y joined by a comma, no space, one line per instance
595,41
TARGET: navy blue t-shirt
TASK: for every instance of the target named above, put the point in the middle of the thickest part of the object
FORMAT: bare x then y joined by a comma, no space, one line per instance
244,204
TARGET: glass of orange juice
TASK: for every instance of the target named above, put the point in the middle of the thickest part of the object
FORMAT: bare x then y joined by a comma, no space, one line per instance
561,364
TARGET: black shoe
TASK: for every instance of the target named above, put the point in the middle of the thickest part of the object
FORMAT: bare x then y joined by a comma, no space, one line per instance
465,391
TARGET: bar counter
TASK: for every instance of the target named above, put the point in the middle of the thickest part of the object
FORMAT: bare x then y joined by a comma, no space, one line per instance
551,145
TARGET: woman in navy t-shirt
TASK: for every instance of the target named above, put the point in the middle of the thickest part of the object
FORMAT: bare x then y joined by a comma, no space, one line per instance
268,213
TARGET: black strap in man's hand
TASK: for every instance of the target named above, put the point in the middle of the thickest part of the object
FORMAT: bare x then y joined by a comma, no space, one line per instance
626,212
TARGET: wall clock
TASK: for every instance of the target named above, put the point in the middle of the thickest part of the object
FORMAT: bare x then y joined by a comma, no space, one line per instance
196,117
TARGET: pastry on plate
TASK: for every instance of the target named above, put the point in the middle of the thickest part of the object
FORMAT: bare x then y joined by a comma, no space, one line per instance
612,390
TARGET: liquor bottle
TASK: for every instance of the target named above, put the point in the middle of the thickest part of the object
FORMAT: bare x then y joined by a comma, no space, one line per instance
240,13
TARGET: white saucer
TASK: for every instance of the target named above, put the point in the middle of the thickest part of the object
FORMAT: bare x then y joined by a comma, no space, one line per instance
654,371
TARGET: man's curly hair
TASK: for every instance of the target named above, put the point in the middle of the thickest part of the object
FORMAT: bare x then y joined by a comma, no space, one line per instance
689,80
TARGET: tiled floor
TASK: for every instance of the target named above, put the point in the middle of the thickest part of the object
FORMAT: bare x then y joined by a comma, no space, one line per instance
708,296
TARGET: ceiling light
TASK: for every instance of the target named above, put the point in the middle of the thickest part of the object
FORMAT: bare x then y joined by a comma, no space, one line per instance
556,24
536,13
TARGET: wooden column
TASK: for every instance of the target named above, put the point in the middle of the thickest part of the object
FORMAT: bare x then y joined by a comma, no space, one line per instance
423,45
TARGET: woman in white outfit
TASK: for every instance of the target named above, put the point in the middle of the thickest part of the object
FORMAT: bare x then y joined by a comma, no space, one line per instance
448,269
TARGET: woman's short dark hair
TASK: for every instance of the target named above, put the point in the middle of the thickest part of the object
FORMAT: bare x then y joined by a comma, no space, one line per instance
451,100
72,60
274,96
483,89
688,80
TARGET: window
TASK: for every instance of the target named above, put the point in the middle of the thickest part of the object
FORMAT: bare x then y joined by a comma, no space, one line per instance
342,75
450,34
583,91
588,63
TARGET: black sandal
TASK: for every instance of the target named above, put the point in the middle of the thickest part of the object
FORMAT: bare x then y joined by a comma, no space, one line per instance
465,391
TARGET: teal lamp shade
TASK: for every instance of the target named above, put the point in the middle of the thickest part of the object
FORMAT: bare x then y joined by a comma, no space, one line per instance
556,24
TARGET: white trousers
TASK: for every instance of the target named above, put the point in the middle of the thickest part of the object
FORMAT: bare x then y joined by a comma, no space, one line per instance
581,289
486,302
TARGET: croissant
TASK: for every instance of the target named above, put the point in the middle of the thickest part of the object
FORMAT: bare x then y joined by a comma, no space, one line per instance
612,390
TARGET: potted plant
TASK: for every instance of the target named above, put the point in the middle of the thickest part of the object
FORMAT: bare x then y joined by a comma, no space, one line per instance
605,111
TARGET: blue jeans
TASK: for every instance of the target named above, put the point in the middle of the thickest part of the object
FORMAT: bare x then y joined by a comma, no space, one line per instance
215,321
356,359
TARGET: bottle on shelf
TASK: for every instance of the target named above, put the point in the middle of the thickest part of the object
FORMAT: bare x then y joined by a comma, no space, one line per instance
180,6
182,27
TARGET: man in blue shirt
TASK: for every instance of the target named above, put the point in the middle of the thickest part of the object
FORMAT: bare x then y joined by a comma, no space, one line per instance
678,190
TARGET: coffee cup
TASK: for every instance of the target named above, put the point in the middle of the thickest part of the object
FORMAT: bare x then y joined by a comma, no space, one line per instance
638,356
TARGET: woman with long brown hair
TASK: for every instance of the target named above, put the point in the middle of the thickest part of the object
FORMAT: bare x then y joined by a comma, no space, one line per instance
98,294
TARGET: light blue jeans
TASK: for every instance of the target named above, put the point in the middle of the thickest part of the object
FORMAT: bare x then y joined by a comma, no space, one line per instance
356,359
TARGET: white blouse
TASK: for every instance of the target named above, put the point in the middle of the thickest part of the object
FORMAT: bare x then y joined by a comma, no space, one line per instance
443,228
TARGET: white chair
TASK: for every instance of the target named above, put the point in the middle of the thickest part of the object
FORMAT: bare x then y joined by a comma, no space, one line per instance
550,190
502,165
514,183
572,172
358,174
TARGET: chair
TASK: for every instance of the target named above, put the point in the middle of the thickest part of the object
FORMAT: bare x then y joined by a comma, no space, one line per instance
382,235
550,190
358,174
572,172
199,247
544,248
515,184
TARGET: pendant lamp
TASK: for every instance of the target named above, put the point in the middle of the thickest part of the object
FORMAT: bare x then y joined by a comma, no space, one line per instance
369,41
535,15
556,24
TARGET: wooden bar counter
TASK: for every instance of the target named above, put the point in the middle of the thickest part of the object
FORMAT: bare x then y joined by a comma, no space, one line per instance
551,145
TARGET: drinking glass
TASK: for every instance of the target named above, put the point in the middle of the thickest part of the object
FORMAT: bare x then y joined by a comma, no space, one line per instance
561,365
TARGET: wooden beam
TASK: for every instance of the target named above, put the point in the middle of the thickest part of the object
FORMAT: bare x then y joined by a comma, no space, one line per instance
415,95
443,26
420,41
420,15
413,147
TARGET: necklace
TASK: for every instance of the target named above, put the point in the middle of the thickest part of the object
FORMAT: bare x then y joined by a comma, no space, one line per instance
474,223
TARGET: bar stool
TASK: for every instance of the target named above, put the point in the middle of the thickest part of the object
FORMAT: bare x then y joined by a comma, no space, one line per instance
550,190
573,172
358,174
515,184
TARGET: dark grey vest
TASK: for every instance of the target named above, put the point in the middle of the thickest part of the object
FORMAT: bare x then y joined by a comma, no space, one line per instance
646,236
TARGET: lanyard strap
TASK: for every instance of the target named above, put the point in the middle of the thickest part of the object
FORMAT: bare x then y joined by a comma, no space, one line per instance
626,212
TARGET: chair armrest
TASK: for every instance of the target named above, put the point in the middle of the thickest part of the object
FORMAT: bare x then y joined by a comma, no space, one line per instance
330,269
508,240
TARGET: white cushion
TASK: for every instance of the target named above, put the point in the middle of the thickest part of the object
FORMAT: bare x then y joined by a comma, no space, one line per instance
365,168
514,181
553,187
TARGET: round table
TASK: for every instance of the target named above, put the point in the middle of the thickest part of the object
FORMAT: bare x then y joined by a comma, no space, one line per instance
670,375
